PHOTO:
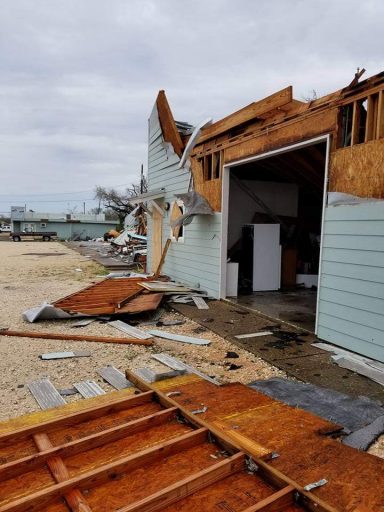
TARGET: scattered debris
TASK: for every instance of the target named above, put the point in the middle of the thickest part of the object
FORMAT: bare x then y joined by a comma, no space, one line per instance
233,366
200,411
128,329
254,335
176,364
200,302
114,377
179,337
70,337
362,439
45,394
63,355
232,355
68,391
169,323
88,388
314,485
173,393
150,376
83,323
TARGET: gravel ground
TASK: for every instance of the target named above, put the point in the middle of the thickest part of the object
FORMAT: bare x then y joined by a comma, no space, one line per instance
34,272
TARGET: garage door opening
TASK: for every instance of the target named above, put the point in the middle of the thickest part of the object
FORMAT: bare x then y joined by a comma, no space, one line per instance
274,221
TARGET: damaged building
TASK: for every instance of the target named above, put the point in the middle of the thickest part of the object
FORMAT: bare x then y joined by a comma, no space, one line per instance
291,195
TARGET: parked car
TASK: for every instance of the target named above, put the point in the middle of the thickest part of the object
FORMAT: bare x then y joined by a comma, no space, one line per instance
5,229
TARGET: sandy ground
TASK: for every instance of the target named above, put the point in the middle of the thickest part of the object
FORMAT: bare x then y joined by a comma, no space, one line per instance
34,272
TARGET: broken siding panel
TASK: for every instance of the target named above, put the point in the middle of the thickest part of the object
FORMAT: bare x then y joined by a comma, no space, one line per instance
351,294
196,260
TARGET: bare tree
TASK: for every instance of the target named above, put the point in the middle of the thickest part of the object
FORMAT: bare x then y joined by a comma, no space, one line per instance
116,201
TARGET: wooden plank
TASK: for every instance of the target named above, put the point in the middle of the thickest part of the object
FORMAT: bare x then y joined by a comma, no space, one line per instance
129,329
278,502
45,394
246,114
370,127
60,473
380,116
31,462
150,376
148,302
355,123
187,486
157,239
37,501
88,388
95,411
73,337
162,259
114,377
168,125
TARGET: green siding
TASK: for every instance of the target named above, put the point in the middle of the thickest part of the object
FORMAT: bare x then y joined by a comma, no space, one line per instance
351,293
196,260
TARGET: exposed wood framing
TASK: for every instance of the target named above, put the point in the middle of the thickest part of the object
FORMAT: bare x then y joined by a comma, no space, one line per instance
168,125
252,111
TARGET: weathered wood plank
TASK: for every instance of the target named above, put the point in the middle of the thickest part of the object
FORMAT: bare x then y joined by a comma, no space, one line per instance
88,388
45,394
114,377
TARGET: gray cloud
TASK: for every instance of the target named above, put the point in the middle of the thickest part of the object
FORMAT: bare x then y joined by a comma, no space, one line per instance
79,77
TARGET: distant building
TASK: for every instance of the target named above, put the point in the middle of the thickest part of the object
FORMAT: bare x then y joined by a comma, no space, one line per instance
68,226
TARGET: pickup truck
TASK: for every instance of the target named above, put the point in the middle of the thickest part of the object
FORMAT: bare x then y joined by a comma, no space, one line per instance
21,235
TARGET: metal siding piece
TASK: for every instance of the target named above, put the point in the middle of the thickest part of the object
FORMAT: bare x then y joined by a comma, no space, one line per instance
178,337
63,355
176,364
45,394
128,329
253,335
114,377
351,288
360,367
88,388
200,302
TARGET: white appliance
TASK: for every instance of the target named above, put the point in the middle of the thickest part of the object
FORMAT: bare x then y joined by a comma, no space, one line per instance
262,243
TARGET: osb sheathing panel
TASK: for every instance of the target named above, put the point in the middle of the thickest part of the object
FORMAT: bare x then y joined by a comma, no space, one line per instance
305,454
292,132
358,170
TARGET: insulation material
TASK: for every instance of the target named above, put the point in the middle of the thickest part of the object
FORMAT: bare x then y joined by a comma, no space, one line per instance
195,204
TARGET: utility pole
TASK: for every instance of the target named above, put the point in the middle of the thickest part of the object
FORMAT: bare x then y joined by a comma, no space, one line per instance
142,179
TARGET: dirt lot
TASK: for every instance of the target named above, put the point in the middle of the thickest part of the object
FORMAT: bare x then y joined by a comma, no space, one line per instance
34,272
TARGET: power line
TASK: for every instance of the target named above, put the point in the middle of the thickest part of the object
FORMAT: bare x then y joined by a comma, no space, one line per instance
62,193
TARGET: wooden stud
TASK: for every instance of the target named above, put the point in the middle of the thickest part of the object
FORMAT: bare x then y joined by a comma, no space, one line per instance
31,462
60,473
162,259
380,116
37,501
277,502
355,123
94,411
246,114
187,486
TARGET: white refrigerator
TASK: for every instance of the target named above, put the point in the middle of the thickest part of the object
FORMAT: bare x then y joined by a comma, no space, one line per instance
266,258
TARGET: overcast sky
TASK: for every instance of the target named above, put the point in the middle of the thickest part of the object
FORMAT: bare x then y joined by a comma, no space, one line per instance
79,78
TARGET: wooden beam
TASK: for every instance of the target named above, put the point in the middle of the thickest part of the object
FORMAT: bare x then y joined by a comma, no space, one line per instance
74,498
187,486
380,116
168,125
247,113
94,411
37,501
31,462
277,502
355,123
73,337
370,129
162,259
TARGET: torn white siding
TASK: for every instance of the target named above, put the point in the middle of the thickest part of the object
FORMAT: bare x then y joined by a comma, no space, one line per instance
196,260
351,294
